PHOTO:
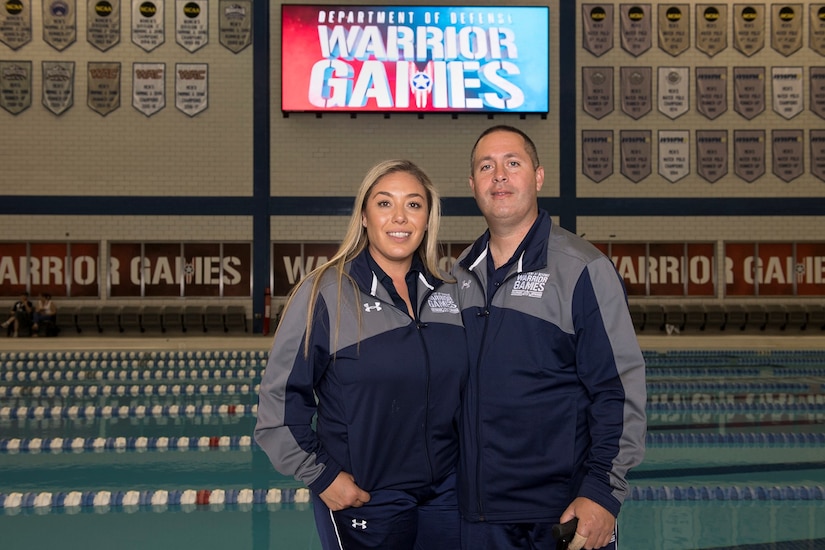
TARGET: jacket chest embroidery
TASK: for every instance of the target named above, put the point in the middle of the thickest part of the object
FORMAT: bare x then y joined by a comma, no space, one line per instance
441,302
530,285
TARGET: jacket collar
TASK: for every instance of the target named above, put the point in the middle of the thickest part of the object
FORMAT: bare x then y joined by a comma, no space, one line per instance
368,274
530,255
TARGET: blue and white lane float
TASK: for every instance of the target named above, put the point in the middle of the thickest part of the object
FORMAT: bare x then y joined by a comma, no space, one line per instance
99,444
21,375
155,500
217,499
133,390
123,411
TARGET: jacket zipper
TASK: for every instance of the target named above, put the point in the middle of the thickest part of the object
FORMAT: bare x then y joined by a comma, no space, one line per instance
427,373
486,313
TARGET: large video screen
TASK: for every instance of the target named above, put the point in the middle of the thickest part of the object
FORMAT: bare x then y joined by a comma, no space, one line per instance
418,59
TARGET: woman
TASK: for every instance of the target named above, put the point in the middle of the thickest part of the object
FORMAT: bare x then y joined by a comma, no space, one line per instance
45,312
372,343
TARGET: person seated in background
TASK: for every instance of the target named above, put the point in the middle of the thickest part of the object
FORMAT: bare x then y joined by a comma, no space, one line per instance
21,315
45,314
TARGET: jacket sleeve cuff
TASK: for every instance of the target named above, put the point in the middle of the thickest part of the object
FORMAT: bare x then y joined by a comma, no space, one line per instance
601,494
325,479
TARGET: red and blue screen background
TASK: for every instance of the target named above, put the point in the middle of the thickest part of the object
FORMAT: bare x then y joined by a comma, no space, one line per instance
414,59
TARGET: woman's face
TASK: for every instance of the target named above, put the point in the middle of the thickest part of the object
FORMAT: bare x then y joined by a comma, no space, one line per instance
395,215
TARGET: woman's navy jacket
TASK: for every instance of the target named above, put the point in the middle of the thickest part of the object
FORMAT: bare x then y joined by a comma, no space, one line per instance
385,387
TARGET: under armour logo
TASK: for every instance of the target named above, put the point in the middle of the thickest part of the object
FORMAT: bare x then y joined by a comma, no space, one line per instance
359,524
376,307
465,284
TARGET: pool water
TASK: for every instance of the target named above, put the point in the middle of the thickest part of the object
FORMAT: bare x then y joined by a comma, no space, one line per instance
136,449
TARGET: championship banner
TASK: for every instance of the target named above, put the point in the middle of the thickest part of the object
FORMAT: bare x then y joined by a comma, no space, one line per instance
674,154
711,91
59,23
636,28
788,154
816,29
749,154
192,24
712,154
235,24
636,150
597,28
786,28
148,30
16,23
191,88
711,28
817,140
103,87
149,87
58,85
15,86
103,23
597,154
749,28
674,89
787,91
636,90
674,28
749,91
818,91
388,59
597,91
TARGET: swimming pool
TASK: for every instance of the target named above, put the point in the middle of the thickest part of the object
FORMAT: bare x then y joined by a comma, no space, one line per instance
153,449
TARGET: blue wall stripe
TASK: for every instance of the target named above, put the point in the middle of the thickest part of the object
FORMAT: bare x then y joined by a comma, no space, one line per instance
262,208
261,98
567,117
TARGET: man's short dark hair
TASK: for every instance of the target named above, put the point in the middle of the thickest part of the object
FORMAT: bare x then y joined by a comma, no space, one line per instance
528,143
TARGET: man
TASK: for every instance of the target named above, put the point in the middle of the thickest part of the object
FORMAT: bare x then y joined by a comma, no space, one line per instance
554,410
20,315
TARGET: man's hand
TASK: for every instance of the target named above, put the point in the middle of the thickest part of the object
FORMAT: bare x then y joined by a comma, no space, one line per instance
596,524
344,493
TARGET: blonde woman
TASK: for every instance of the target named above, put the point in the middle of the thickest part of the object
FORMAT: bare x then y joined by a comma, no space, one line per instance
372,344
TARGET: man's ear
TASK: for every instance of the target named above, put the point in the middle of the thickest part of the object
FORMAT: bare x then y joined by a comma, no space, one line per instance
539,177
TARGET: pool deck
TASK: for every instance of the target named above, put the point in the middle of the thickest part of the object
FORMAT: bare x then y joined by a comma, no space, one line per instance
708,341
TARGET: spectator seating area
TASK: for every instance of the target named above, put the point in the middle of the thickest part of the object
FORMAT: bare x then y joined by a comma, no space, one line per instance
152,320
761,317
648,318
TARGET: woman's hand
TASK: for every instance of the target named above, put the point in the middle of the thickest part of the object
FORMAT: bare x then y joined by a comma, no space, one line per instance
344,493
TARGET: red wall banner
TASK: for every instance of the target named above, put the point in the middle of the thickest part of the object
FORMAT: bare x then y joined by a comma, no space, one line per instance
291,262
180,269
664,269
774,269
59,269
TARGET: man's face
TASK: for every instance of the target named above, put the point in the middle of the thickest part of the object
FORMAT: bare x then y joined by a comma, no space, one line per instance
504,182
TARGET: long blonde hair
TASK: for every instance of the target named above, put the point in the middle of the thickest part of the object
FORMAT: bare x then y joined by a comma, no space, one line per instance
355,240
